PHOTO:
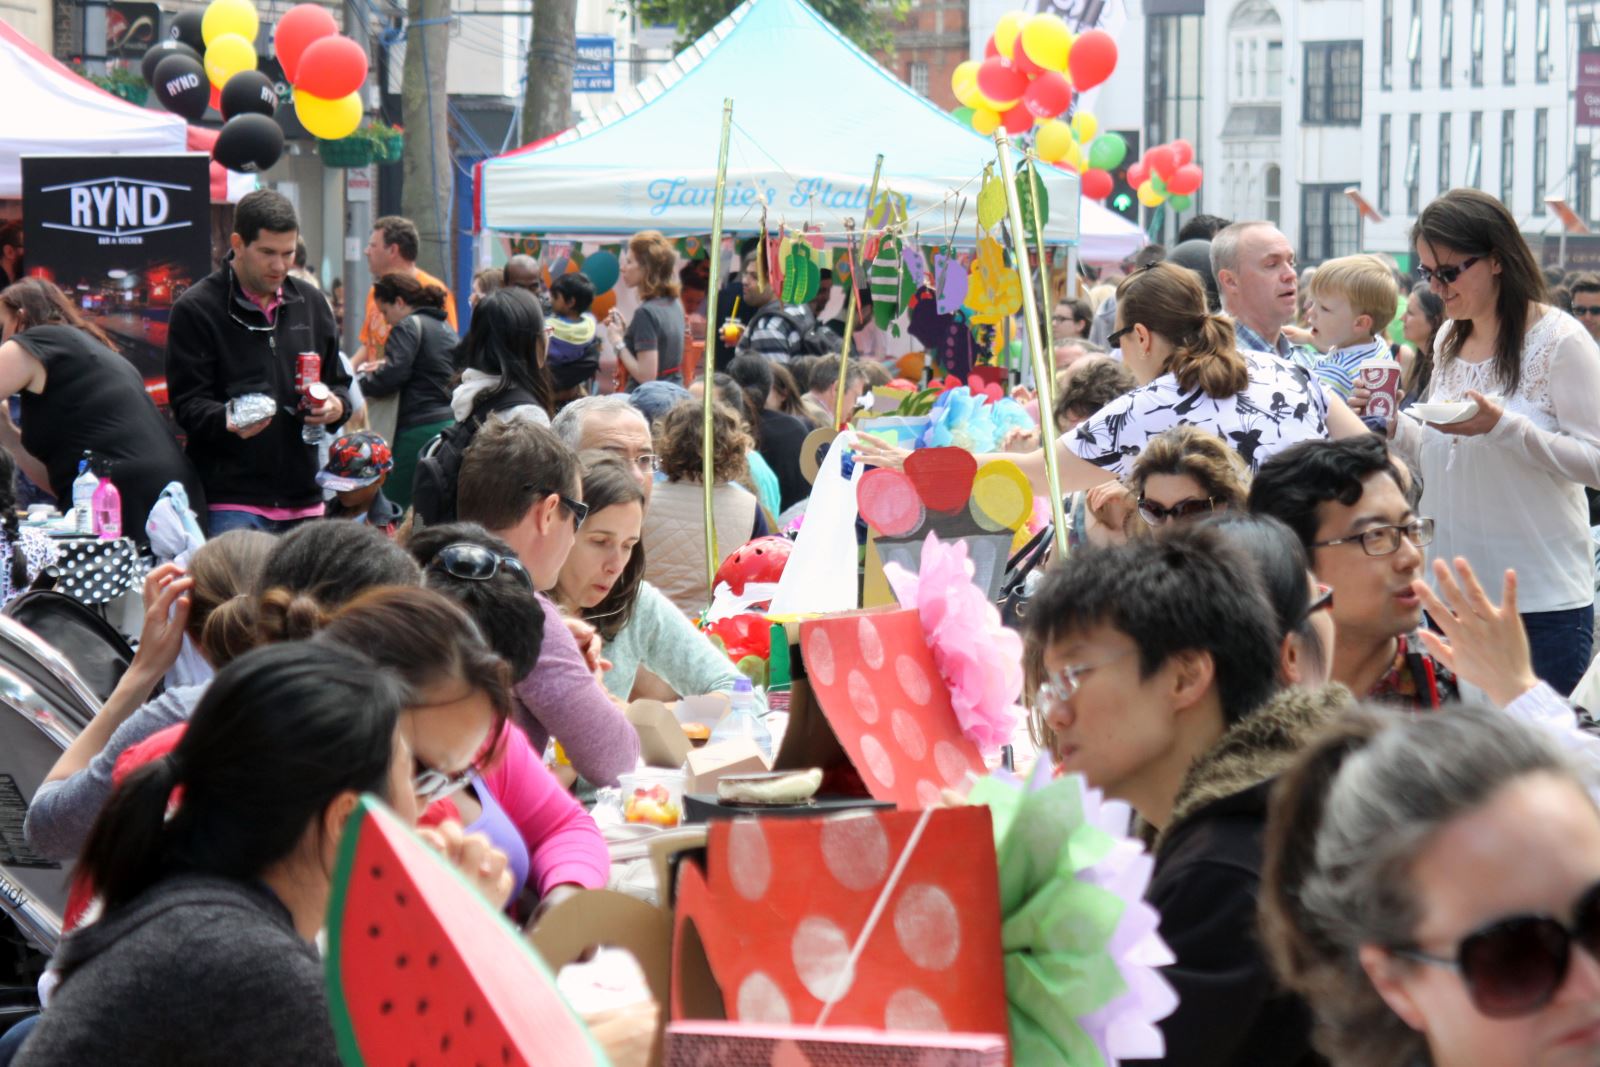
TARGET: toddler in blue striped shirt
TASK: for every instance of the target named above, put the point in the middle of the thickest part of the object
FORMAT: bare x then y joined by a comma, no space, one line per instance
1352,299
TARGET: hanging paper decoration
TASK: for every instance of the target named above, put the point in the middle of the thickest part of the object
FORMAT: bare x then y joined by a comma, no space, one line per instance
916,264
1030,181
888,210
892,284
944,335
996,291
991,201
950,282
802,274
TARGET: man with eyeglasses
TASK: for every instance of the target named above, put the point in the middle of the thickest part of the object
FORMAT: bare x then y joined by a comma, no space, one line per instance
611,424
1586,302
1349,503
1160,660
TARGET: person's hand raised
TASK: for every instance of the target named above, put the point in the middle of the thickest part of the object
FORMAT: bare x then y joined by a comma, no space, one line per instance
1483,644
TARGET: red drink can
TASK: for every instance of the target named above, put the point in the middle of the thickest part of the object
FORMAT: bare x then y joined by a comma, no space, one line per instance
307,369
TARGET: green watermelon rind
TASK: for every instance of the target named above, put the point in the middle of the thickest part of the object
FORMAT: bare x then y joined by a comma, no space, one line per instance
344,1028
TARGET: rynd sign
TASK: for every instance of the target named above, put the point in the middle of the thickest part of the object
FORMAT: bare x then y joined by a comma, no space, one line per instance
118,210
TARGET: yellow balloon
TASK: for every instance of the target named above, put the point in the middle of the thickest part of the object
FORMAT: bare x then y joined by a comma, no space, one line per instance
1148,195
1047,41
1085,126
1074,154
964,83
223,17
985,121
328,119
1053,139
228,55
1006,31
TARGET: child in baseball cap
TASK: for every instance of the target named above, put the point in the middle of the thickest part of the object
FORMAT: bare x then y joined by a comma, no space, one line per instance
358,465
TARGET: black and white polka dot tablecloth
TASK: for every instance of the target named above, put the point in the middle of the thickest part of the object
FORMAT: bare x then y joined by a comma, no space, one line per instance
96,571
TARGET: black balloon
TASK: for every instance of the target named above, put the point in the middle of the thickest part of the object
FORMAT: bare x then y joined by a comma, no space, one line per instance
185,27
250,142
161,50
181,86
249,92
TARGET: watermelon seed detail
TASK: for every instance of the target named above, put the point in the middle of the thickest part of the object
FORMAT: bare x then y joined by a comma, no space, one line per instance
386,1007
373,931
377,871
422,1006
466,1016
433,959
401,960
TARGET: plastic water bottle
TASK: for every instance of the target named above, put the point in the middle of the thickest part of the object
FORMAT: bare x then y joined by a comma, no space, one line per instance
83,487
107,504
742,720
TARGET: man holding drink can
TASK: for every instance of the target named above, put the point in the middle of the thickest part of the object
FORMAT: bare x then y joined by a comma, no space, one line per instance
254,375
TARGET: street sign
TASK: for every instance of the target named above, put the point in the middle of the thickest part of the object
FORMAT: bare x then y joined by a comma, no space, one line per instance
596,69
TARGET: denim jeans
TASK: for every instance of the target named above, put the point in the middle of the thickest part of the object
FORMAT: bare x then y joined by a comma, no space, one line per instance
1562,644
223,521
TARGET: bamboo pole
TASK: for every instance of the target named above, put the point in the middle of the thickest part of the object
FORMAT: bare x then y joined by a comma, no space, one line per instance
708,360
1030,321
856,270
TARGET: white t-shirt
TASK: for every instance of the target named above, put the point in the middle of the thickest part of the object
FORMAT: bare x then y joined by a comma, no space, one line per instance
1280,406
1513,497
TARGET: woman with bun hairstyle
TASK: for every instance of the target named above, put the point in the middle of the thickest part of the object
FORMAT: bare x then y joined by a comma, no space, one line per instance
1190,370
1432,889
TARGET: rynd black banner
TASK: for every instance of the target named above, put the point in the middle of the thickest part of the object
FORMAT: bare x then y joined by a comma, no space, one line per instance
124,237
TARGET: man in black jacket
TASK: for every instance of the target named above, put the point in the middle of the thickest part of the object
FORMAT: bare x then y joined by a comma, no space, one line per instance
1158,658
239,332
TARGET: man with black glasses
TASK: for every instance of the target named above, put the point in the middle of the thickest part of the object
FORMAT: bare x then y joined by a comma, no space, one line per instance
1586,302
1348,502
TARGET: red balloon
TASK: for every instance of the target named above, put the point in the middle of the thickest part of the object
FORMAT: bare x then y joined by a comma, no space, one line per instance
1017,121
999,81
991,50
1020,60
1185,180
332,68
1183,151
1092,59
216,100
1163,161
1096,184
1137,173
1048,95
300,25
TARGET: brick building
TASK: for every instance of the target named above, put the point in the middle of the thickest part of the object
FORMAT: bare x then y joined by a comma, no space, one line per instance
927,47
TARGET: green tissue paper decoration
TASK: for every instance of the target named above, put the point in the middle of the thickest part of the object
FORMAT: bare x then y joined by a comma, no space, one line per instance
802,274
891,283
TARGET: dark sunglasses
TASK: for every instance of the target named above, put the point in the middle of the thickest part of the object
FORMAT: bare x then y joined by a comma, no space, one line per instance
474,563
1155,514
1323,600
1514,966
576,508
430,785
1116,336
1584,312
1447,275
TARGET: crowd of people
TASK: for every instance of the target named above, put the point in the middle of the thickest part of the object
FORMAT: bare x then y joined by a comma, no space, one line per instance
439,570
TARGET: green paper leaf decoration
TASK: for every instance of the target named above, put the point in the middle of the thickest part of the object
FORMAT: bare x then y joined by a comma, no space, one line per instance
802,275
1025,200
991,202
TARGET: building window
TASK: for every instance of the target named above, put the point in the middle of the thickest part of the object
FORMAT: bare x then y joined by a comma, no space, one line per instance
917,76
1174,47
1329,223
1444,153
1508,159
1508,70
1447,44
1475,151
1274,184
1541,41
1274,70
1414,44
1238,68
1387,73
1477,42
1333,83
1414,167
1541,149
1385,156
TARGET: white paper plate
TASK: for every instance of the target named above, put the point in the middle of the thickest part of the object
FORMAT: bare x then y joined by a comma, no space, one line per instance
1445,414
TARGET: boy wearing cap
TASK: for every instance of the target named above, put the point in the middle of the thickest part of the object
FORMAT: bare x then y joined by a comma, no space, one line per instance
358,465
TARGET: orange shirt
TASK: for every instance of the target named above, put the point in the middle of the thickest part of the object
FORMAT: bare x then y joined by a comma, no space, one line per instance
375,328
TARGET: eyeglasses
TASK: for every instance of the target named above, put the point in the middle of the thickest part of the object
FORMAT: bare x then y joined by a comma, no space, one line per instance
1154,514
1385,540
1582,311
1514,966
431,785
576,508
474,563
1447,275
1115,340
1059,687
644,462
1323,600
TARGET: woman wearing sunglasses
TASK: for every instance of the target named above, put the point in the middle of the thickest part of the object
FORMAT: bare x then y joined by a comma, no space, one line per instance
1505,483
1183,474
1432,888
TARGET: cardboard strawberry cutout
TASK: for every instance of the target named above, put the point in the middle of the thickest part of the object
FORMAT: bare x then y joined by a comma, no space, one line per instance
421,969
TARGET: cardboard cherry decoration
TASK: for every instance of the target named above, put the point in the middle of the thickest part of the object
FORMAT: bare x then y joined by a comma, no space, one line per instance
249,143
300,26
249,92
332,67
889,502
181,87
943,477
161,50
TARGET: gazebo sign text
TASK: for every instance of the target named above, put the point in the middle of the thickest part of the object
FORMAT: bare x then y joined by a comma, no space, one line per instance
668,194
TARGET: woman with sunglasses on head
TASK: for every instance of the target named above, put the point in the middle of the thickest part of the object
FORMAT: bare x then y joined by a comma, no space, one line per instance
1505,482
481,573
1185,473
470,765
1432,888
1191,370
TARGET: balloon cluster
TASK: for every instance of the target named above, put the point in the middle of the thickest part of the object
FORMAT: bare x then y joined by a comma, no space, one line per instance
326,69
1080,146
1166,174
1033,65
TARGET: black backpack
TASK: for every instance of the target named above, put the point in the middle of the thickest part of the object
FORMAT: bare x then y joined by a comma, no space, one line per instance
433,488
815,338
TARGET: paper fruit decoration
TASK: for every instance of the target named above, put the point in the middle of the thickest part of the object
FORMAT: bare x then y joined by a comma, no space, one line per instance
802,273
891,284
946,336
888,210
892,918
995,290
991,202
1032,196
421,969
950,282
760,560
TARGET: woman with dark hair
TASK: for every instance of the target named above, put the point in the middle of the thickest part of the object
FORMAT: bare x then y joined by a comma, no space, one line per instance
79,395
781,435
1432,889
1300,603
417,366
501,360
1421,321
787,396
1504,485
649,346
205,951
23,552
603,583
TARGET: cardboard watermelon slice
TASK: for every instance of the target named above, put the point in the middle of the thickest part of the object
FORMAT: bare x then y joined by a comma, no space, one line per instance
421,970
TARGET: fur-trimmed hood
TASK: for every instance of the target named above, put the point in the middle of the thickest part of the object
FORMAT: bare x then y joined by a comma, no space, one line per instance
1255,749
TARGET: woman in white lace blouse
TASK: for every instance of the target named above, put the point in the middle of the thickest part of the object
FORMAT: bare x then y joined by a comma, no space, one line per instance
1505,487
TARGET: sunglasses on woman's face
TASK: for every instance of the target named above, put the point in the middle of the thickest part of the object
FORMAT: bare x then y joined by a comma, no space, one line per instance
1446,275
1515,966
1155,514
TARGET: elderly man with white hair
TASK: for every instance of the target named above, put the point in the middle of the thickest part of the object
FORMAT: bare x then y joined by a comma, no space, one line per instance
610,424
